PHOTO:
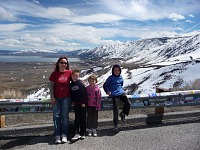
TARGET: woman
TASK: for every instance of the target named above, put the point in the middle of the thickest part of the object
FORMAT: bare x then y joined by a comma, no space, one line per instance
60,98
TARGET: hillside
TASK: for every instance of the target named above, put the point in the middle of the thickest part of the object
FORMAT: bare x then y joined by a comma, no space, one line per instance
148,50
165,62
147,63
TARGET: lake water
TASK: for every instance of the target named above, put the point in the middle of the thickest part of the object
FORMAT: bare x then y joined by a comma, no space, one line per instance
9,58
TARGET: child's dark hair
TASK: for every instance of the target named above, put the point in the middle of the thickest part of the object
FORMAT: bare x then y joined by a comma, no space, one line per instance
75,71
93,77
116,66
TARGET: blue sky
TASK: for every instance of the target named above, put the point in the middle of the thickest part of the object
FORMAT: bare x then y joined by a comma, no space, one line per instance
78,24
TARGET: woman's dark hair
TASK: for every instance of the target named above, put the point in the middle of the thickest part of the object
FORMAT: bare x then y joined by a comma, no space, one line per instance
57,66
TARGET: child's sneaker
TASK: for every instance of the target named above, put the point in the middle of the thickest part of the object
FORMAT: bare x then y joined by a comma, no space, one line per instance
115,129
94,132
122,115
76,137
90,132
64,139
57,140
83,137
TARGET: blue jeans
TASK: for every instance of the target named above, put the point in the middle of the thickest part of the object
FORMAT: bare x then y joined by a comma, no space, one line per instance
60,116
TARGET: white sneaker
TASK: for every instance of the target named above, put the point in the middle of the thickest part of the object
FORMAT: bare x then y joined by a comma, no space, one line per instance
83,137
64,139
94,132
57,140
90,132
76,137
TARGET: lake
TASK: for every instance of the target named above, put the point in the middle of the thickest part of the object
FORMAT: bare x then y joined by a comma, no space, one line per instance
11,58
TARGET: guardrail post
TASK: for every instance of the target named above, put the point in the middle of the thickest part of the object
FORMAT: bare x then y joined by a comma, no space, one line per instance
157,117
2,121
159,110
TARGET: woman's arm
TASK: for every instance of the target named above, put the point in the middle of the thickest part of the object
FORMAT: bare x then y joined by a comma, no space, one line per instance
51,87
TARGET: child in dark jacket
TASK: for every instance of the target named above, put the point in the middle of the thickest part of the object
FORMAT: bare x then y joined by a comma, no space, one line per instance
79,98
114,88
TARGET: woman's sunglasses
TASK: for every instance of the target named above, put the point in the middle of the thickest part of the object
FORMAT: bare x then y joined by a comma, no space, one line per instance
63,63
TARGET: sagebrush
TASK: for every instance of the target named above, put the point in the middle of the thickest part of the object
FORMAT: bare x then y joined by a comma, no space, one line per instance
11,93
191,85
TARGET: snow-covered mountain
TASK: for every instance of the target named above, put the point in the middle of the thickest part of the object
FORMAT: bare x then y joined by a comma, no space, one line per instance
149,51
41,52
33,51
166,62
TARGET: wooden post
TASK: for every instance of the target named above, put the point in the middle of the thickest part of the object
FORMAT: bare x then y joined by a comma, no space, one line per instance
2,121
2,117
159,110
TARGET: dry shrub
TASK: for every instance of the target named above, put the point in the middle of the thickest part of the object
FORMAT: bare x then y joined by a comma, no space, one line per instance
191,85
1,97
12,93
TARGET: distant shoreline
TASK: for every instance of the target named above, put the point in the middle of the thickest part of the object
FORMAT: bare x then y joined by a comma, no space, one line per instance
35,58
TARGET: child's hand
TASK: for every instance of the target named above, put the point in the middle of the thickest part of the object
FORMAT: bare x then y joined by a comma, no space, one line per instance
108,93
82,105
83,82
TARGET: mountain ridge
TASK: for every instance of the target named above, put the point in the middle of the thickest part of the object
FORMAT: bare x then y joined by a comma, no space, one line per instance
165,47
147,63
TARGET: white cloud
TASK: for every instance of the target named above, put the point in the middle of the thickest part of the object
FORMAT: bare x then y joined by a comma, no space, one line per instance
150,10
6,15
30,38
33,9
176,17
55,41
96,18
36,2
188,21
10,43
55,12
63,35
138,10
190,15
12,27
91,23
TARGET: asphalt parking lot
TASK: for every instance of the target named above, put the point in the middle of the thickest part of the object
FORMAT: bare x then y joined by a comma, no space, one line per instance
161,137
176,134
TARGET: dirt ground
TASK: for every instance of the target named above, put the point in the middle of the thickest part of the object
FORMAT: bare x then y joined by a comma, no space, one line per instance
27,76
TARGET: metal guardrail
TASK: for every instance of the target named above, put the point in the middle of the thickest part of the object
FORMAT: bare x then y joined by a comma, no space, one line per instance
156,100
167,99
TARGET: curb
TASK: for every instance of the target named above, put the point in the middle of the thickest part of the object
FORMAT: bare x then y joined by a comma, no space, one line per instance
151,119
133,120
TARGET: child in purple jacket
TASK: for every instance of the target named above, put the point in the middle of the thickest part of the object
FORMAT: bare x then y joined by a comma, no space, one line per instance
94,104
